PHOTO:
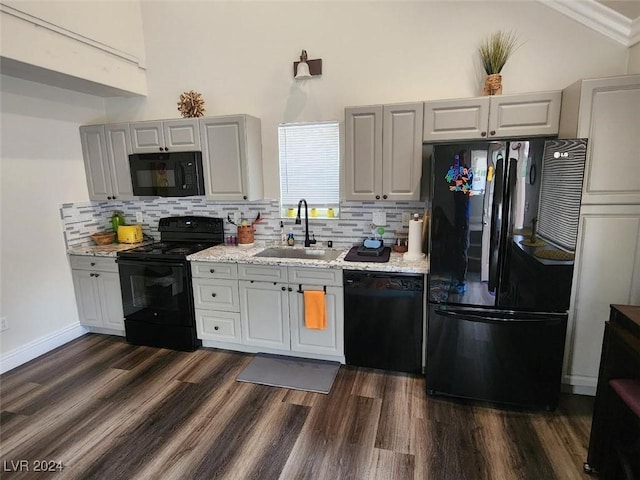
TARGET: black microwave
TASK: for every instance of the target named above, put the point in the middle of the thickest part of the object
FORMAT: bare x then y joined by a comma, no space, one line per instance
169,174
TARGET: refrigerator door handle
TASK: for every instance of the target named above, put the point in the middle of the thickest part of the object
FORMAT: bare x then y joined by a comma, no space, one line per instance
496,225
507,318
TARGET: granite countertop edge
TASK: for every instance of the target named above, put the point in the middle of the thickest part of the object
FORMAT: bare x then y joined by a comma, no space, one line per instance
238,254
234,254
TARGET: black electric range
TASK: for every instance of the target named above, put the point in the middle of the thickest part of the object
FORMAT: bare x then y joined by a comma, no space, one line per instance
155,279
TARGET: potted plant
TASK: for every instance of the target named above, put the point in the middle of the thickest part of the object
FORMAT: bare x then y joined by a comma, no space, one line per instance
494,51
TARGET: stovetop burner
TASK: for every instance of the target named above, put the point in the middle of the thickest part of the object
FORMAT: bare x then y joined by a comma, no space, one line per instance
180,237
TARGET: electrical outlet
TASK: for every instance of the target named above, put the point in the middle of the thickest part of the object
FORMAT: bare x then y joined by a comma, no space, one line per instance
4,325
406,216
139,217
380,218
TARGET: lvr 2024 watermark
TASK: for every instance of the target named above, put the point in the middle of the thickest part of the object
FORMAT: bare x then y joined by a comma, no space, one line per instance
32,466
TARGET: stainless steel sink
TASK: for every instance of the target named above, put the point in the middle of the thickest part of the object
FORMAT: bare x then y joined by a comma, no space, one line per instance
303,253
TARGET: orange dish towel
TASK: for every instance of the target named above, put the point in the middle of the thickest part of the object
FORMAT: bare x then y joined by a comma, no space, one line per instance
315,311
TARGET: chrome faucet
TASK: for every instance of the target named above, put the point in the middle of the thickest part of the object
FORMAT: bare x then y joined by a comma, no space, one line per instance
307,241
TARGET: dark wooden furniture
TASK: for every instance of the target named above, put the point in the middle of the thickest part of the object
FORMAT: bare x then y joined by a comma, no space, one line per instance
620,359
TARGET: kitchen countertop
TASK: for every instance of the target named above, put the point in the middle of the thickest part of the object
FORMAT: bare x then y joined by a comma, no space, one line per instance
110,250
236,254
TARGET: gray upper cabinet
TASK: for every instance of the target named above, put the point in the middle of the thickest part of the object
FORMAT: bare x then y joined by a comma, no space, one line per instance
106,149
606,111
383,152
232,157
179,135
498,116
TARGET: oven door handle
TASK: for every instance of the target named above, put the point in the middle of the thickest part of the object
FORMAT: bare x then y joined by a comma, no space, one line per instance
146,261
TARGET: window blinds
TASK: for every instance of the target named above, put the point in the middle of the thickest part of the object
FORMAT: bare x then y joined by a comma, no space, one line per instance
309,163
561,190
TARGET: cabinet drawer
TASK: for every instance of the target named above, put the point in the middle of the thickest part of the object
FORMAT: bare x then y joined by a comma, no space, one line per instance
220,326
88,262
315,276
214,270
214,294
262,273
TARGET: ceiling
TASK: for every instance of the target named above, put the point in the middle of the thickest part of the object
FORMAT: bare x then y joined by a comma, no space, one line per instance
617,19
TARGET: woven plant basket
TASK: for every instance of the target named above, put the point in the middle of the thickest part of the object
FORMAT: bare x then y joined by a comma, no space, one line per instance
493,85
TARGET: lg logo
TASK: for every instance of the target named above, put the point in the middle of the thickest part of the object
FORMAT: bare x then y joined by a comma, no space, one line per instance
560,154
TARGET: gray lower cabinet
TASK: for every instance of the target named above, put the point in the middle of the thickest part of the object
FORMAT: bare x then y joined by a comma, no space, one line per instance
254,308
264,314
217,303
97,288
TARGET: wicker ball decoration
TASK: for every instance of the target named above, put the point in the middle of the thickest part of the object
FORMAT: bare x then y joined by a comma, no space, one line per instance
191,104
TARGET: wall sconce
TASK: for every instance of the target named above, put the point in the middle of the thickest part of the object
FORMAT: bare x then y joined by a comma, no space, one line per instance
306,68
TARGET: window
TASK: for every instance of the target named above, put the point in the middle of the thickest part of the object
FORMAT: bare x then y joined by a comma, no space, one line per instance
310,167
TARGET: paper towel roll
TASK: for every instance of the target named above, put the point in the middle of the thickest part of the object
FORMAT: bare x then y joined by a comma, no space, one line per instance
414,251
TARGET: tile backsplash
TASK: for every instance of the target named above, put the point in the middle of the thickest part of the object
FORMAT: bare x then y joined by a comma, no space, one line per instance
80,220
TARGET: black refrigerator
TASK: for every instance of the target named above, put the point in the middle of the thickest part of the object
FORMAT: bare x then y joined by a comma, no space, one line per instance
503,225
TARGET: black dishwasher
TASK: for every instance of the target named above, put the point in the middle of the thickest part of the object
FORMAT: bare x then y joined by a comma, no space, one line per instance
383,320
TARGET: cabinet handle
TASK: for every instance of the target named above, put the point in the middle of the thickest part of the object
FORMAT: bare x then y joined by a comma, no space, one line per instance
492,132
113,198
290,289
161,149
244,197
284,288
384,196
96,275
216,328
213,294
483,134
166,149
212,270
93,264
377,197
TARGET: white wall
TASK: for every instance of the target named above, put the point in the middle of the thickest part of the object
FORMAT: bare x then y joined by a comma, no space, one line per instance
40,168
240,56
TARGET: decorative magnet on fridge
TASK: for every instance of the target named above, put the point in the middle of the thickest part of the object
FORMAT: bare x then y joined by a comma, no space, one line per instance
459,177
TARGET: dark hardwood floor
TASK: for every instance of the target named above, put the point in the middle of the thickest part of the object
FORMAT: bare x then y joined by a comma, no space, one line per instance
107,410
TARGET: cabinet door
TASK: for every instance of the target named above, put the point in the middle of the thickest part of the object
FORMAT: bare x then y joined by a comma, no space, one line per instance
461,119
118,149
610,118
402,151
528,114
264,314
87,298
182,135
147,137
110,299
96,164
607,271
363,153
329,341
224,157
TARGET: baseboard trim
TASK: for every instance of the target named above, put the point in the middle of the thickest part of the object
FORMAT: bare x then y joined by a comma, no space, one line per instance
40,346
579,384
